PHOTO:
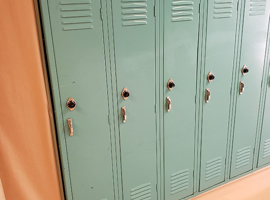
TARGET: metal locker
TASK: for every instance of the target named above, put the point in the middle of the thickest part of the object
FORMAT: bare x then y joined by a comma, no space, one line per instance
84,131
134,50
219,54
181,22
253,49
264,151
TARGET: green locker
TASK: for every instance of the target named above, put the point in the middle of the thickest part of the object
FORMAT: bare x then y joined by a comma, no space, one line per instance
219,54
134,50
103,63
77,37
181,22
264,151
253,49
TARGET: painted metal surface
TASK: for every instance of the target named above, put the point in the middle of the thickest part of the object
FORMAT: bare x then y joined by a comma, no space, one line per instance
264,152
128,90
181,22
220,41
253,50
80,64
134,50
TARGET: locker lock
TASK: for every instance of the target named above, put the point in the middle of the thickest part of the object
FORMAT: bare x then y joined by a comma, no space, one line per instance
245,70
210,77
125,93
71,104
170,84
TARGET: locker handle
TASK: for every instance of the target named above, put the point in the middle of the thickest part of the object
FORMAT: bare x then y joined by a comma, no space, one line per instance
70,126
124,114
208,95
169,104
242,87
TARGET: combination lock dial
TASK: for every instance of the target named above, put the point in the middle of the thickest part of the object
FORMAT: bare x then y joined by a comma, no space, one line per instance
71,104
170,84
245,70
210,77
125,93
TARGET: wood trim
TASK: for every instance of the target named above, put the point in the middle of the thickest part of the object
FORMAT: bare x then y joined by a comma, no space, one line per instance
49,98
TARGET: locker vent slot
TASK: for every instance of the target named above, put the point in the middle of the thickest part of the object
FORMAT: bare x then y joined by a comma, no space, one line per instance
223,9
243,157
213,168
134,12
266,148
182,11
142,192
179,181
76,15
257,7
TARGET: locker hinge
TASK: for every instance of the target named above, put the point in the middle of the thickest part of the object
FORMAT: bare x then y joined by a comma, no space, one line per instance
109,120
155,107
155,11
237,5
156,187
199,8
101,14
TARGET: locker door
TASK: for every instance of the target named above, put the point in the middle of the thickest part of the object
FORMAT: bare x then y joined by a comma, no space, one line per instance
134,40
181,21
78,44
219,56
252,56
264,152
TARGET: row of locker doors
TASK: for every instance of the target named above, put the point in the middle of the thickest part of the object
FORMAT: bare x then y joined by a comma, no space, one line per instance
106,61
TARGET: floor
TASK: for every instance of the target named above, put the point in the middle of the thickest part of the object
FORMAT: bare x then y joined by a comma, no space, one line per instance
255,186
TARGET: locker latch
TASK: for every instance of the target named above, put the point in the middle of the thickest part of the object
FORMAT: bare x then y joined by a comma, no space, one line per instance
242,87
124,114
207,96
70,126
169,105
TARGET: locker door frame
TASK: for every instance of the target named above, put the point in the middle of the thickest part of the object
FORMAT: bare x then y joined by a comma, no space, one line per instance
56,99
115,95
202,46
161,108
235,92
264,91
202,87
239,32
163,90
